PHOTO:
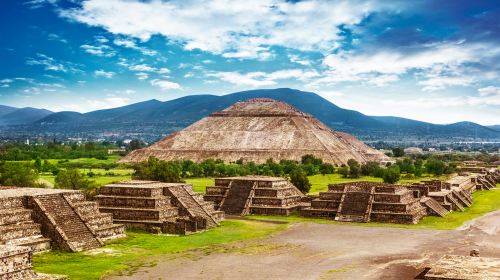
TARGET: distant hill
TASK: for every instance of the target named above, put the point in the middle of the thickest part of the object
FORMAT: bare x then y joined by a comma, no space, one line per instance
6,110
153,119
495,127
15,116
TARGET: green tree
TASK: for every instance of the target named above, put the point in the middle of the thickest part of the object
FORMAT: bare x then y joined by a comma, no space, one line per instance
72,179
135,145
299,178
18,174
326,168
344,171
354,168
398,152
392,174
158,170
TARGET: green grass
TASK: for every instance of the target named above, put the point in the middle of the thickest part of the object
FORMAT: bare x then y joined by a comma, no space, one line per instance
122,257
200,184
484,202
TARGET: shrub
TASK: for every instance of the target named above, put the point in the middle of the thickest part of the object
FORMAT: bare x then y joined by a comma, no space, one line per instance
299,178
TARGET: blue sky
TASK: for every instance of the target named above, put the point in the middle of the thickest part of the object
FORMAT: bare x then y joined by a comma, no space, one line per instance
435,61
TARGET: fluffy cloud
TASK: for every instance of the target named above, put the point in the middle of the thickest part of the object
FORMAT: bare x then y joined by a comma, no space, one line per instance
259,79
131,44
165,85
489,91
232,28
100,50
102,73
437,65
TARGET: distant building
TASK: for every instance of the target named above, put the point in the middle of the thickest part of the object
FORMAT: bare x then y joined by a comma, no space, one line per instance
413,151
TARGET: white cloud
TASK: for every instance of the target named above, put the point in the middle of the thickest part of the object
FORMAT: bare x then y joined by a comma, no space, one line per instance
142,68
437,65
233,28
299,60
131,44
142,76
102,73
259,79
165,85
100,50
52,64
489,91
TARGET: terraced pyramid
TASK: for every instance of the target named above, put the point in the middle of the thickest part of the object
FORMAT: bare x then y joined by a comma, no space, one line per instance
256,130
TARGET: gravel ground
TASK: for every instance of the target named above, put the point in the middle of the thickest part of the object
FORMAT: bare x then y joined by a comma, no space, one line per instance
328,251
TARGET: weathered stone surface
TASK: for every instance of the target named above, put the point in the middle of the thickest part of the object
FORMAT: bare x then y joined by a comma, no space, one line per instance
158,207
452,267
37,218
256,195
256,130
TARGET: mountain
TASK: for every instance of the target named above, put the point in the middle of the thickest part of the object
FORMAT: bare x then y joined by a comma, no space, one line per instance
153,119
6,110
495,127
22,116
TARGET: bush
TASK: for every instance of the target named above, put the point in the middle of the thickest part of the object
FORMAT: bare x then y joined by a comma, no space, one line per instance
354,168
299,178
18,174
158,170
72,179
392,174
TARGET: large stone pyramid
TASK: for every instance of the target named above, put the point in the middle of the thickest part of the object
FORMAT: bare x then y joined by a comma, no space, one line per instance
256,130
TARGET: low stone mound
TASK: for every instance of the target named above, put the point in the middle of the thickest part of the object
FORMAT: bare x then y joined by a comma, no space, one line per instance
41,218
254,195
15,264
453,267
365,202
158,207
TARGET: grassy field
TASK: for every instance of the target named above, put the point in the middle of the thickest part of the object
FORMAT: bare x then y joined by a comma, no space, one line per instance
139,249
484,202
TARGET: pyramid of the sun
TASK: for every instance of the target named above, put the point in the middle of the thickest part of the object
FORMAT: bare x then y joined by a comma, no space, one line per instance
256,130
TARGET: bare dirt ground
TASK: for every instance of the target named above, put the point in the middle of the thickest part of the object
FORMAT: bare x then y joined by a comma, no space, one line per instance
328,251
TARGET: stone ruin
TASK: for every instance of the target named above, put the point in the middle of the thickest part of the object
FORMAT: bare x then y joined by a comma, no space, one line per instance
379,202
15,264
254,131
49,218
453,267
254,195
367,202
158,207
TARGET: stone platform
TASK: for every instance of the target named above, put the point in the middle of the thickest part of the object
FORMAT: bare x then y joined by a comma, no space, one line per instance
367,202
255,195
15,264
44,218
158,207
452,267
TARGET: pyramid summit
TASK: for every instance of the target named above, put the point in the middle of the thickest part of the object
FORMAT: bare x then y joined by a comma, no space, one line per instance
256,130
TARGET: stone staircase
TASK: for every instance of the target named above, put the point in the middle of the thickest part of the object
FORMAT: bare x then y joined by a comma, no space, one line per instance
66,224
254,194
158,207
18,228
434,207
457,205
355,205
236,199
187,201
367,201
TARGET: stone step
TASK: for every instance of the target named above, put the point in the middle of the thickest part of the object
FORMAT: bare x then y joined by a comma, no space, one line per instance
140,213
16,215
21,230
36,243
434,206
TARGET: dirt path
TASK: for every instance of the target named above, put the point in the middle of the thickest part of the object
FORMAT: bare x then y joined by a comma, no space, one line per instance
328,251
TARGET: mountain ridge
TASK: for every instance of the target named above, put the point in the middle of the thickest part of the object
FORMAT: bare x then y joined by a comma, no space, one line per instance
164,117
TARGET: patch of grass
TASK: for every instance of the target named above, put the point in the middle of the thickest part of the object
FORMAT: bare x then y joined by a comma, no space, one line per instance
200,184
484,202
123,256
